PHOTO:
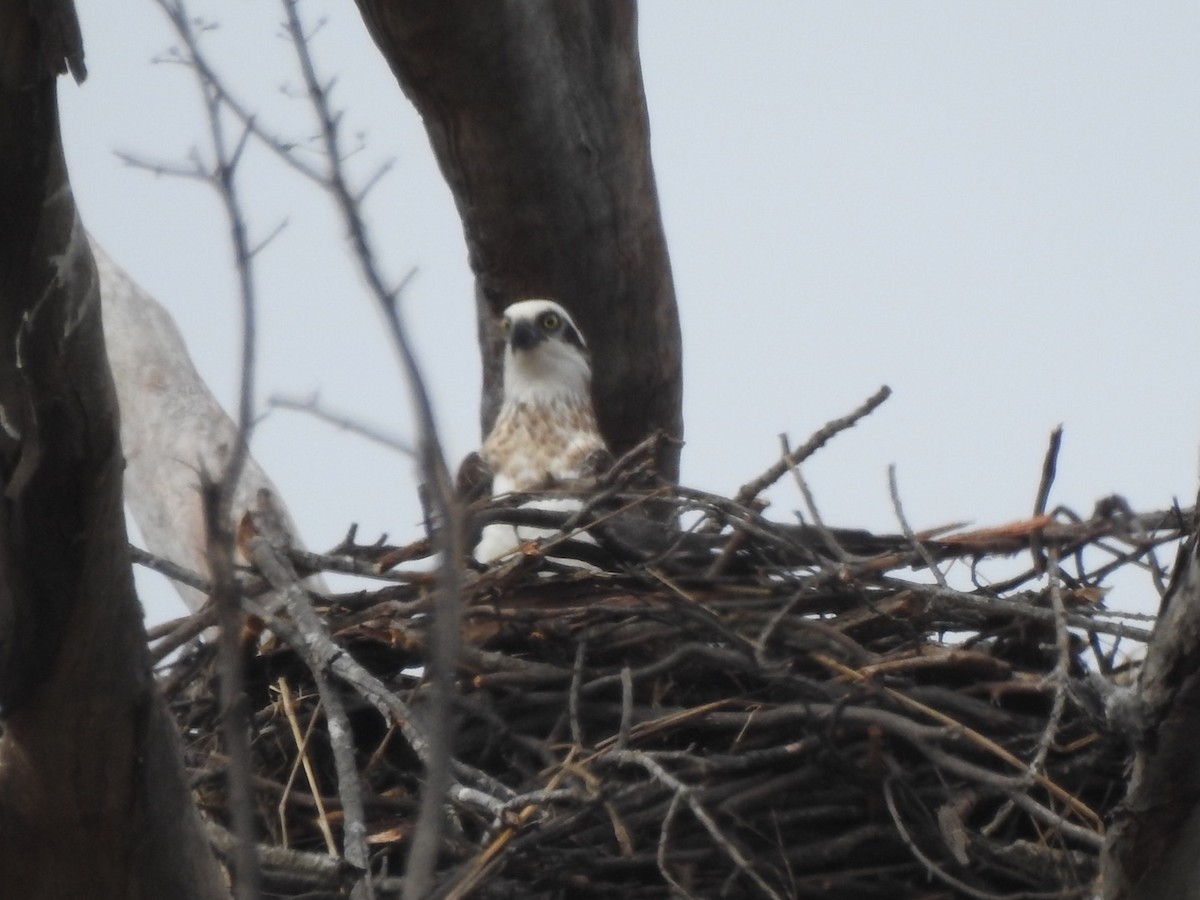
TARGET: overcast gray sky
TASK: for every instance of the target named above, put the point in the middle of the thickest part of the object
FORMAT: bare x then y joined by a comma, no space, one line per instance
993,208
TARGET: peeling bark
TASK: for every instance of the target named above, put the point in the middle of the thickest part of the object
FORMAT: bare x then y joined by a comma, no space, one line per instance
537,115
93,800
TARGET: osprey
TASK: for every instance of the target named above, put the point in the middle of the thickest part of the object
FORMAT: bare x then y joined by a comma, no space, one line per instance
545,434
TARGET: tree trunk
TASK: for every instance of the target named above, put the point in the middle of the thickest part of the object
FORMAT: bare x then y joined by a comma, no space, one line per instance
1153,847
537,115
93,800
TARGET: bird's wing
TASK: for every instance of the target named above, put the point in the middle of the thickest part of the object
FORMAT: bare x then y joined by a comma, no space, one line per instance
474,479
595,464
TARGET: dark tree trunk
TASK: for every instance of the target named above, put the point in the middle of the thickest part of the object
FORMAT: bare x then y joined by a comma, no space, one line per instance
536,112
93,800
1153,847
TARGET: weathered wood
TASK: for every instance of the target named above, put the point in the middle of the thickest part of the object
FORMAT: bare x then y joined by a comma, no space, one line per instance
537,115
93,801
1153,846
173,431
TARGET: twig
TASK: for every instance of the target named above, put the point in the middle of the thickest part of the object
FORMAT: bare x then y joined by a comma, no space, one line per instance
979,740
1059,679
318,868
669,781
573,696
932,867
218,498
490,856
1049,469
312,406
922,550
266,552
172,570
626,708
663,840
302,760
810,502
752,489
444,648
185,630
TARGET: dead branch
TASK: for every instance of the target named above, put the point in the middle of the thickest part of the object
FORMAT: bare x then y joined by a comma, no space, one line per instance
752,489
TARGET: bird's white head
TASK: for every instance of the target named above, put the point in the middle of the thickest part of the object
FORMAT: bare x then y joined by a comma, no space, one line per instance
545,356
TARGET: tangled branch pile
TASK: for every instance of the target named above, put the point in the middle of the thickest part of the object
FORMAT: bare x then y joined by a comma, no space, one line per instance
755,709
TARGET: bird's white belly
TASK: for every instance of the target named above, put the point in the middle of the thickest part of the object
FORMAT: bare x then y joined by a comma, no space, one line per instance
500,540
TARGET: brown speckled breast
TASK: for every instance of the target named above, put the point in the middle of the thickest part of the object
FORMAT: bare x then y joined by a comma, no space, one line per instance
534,445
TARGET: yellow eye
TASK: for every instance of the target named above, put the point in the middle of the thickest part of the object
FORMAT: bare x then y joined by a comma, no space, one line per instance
551,321
506,324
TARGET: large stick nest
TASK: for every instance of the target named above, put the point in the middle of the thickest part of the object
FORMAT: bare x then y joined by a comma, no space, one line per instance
752,709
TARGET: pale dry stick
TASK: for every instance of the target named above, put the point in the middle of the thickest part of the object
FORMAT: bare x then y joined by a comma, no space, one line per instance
909,534
312,406
671,783
753,488
302,759
444,649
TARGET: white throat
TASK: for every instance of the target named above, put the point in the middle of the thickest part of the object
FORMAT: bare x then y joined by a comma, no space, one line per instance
548,372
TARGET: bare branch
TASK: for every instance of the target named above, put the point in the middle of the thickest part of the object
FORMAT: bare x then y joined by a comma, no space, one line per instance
444,649
681,791
898,507
313,407
752,489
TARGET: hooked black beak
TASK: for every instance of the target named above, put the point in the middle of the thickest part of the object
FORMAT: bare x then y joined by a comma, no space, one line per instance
525,336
